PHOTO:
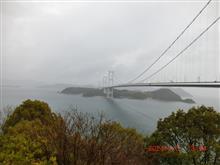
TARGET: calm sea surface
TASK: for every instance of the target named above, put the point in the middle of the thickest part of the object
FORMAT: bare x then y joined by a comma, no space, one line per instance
140,114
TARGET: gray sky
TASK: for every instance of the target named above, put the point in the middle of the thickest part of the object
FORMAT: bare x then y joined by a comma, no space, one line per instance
78,43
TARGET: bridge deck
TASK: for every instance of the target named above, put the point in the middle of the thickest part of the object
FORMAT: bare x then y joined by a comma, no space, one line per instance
172,84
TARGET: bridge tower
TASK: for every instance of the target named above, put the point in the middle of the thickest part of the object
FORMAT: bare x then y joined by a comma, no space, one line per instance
108,81
105,79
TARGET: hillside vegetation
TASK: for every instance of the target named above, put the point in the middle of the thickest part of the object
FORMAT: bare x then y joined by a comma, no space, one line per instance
33,135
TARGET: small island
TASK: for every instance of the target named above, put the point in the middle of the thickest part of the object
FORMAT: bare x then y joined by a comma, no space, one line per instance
162,94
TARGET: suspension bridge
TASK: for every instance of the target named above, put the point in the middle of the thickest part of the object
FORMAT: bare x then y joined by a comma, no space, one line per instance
188,65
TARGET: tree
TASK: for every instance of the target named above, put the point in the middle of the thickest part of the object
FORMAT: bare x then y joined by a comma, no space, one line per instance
25,135
25,144
33,134
88,140
30,110
119,145
194,134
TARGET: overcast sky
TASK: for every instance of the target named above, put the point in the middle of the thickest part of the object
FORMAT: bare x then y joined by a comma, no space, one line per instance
78,43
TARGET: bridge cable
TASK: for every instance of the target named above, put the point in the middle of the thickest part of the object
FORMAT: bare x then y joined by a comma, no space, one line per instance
164,52
201,34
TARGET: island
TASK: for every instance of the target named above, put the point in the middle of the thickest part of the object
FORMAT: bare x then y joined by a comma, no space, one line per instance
162,94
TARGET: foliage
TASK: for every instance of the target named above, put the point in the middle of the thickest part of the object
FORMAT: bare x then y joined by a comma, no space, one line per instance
200,126
86,140
33,134
24,139
30,110
19,149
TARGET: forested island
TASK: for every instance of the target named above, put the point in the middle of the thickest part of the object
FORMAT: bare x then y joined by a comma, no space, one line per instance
162,94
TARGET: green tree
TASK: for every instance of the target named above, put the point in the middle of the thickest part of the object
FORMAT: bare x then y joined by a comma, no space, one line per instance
25,139
30,110
192,131
24,144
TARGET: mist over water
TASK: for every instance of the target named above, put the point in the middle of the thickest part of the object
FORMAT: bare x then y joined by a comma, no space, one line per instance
140,114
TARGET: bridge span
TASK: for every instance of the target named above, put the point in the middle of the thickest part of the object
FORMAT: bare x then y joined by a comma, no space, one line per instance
108,90
215,84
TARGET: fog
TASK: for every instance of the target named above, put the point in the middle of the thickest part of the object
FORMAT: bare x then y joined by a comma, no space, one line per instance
78,42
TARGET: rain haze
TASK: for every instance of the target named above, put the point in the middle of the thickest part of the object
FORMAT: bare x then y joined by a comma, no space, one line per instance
76,43
110,82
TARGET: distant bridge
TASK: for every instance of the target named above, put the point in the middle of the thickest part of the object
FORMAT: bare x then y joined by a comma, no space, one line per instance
180,65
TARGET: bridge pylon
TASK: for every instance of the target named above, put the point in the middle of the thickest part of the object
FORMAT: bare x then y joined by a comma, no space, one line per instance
109,93
108,82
